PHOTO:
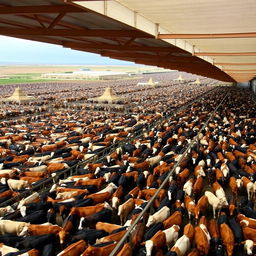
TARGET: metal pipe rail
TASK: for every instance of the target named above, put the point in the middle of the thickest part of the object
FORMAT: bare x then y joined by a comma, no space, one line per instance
130,229
47,183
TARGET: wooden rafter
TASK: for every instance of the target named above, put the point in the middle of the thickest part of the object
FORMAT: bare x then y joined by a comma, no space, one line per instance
57,20
19,10
225,53
235,64
152,57
207,36
72,32
142,48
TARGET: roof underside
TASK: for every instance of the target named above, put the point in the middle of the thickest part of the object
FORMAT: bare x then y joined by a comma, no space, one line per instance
130,30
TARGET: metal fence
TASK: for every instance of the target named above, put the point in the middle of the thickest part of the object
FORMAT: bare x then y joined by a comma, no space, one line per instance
150,202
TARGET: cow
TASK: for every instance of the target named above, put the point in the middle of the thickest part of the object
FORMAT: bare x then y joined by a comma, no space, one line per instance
201,205
4,249
74,249
137,235
108,227
124,209
174,219
89,210
13,227
182,245
249,234
112,237
162,238
158,216
246,222
213,201
125,251
249,186
18,184
219,191
202,237
36,230
190,206
99,251
248,246
228,238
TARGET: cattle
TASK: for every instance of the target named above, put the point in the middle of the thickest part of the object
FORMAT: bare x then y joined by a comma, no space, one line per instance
13,227
249,234
190,206
162,238
89,210
124,209
213,201
18,184
201,206
248,185
37,230
125,251
159,216
249,246
6,210
4,249
182,245
202,237
88,235
246,222
219,191
227,237
137,235
107,226
74,249
99,197
99,251
188,187
174,219
112,237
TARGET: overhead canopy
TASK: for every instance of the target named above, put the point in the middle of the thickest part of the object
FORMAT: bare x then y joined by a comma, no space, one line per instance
19,96
137,30
108,96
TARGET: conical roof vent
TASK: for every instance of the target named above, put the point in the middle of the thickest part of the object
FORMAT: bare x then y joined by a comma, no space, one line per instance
108,96
19,96
197,81
150,81
180,78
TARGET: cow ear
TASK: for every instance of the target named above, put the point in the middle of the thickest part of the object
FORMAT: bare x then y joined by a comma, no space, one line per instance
143,243
243,242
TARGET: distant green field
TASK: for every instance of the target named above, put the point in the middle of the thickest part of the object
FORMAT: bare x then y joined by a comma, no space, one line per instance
21,79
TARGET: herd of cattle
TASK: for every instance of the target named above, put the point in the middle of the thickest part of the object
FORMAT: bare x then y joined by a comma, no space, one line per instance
206,208
58,94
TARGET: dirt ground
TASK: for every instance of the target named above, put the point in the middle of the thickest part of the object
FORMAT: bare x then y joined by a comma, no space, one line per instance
25,69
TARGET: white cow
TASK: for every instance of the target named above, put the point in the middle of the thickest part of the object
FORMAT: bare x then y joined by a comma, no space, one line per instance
158,216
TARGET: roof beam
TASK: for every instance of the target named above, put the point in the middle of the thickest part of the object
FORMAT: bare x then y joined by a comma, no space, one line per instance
20,10
207,36
239,70
73,32
136,55
225,53
118,47
235,64
56,20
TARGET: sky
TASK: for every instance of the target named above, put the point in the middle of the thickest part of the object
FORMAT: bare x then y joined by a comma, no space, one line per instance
19,51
